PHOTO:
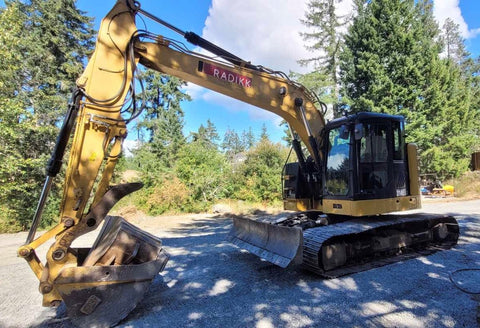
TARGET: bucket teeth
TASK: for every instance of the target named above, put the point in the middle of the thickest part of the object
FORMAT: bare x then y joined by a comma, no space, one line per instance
114,276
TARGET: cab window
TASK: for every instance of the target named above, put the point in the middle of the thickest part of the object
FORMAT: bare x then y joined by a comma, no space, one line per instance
338,162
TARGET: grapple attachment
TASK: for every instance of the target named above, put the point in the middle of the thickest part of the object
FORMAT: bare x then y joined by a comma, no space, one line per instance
114,276
276,244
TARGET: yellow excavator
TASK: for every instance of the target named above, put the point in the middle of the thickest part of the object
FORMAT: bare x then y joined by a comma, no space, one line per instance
358,168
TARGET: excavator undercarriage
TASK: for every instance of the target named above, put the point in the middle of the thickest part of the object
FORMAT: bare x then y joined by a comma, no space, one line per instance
333,246
359,168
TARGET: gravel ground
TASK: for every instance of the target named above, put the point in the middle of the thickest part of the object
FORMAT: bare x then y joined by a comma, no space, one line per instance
211,283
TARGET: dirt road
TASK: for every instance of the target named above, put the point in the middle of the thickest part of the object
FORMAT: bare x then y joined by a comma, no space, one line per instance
210,283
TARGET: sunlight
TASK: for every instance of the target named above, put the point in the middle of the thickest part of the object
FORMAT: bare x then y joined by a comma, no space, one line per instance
221,287
260,307
426,261
411,304
436,276
193,285
377,308
195,316
403,319
264,323
378,287
177,251
300,319
344,283
172,283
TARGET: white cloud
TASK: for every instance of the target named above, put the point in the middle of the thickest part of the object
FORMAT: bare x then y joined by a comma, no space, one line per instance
344,9
443,9
265,33
128,146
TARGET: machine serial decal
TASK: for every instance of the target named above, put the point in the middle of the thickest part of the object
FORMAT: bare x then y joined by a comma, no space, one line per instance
225,75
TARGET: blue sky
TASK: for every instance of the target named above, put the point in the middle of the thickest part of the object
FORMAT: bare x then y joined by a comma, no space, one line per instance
264,32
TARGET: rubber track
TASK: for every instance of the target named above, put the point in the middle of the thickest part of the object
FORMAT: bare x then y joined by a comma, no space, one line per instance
315,237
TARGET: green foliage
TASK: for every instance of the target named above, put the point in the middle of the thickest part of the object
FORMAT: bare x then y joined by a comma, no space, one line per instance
202,169
325,39
391,64
453,42
207,135
202,175
164,116
248,138
169,195
232,144
146,162
42,46
259,175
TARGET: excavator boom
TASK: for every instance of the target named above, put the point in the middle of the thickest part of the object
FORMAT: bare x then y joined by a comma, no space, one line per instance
357,167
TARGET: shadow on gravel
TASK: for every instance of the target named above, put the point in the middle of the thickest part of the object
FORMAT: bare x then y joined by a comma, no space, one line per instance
211,283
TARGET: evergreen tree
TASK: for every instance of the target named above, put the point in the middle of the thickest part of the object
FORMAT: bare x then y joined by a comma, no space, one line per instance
164,116
326,44
264,133
392,64
453,42
232,144
43,45
248,138
207,135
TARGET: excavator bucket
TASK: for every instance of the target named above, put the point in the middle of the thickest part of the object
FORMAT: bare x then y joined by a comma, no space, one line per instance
114,275
276,244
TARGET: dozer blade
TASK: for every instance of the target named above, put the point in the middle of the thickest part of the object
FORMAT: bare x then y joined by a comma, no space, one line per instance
114,276
276,244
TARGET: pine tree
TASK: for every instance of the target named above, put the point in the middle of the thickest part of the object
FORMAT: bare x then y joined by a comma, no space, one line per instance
164,116
248,138
43,46
392,64
326,44
264,133
207,135
453,42
232,144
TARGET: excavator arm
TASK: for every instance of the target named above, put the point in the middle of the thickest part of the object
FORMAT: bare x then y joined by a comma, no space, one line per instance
101,285
360,168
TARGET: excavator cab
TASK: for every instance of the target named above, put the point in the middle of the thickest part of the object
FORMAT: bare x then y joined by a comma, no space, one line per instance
360,167
365,158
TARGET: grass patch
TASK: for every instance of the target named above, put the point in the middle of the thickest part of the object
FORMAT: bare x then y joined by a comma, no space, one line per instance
467,185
